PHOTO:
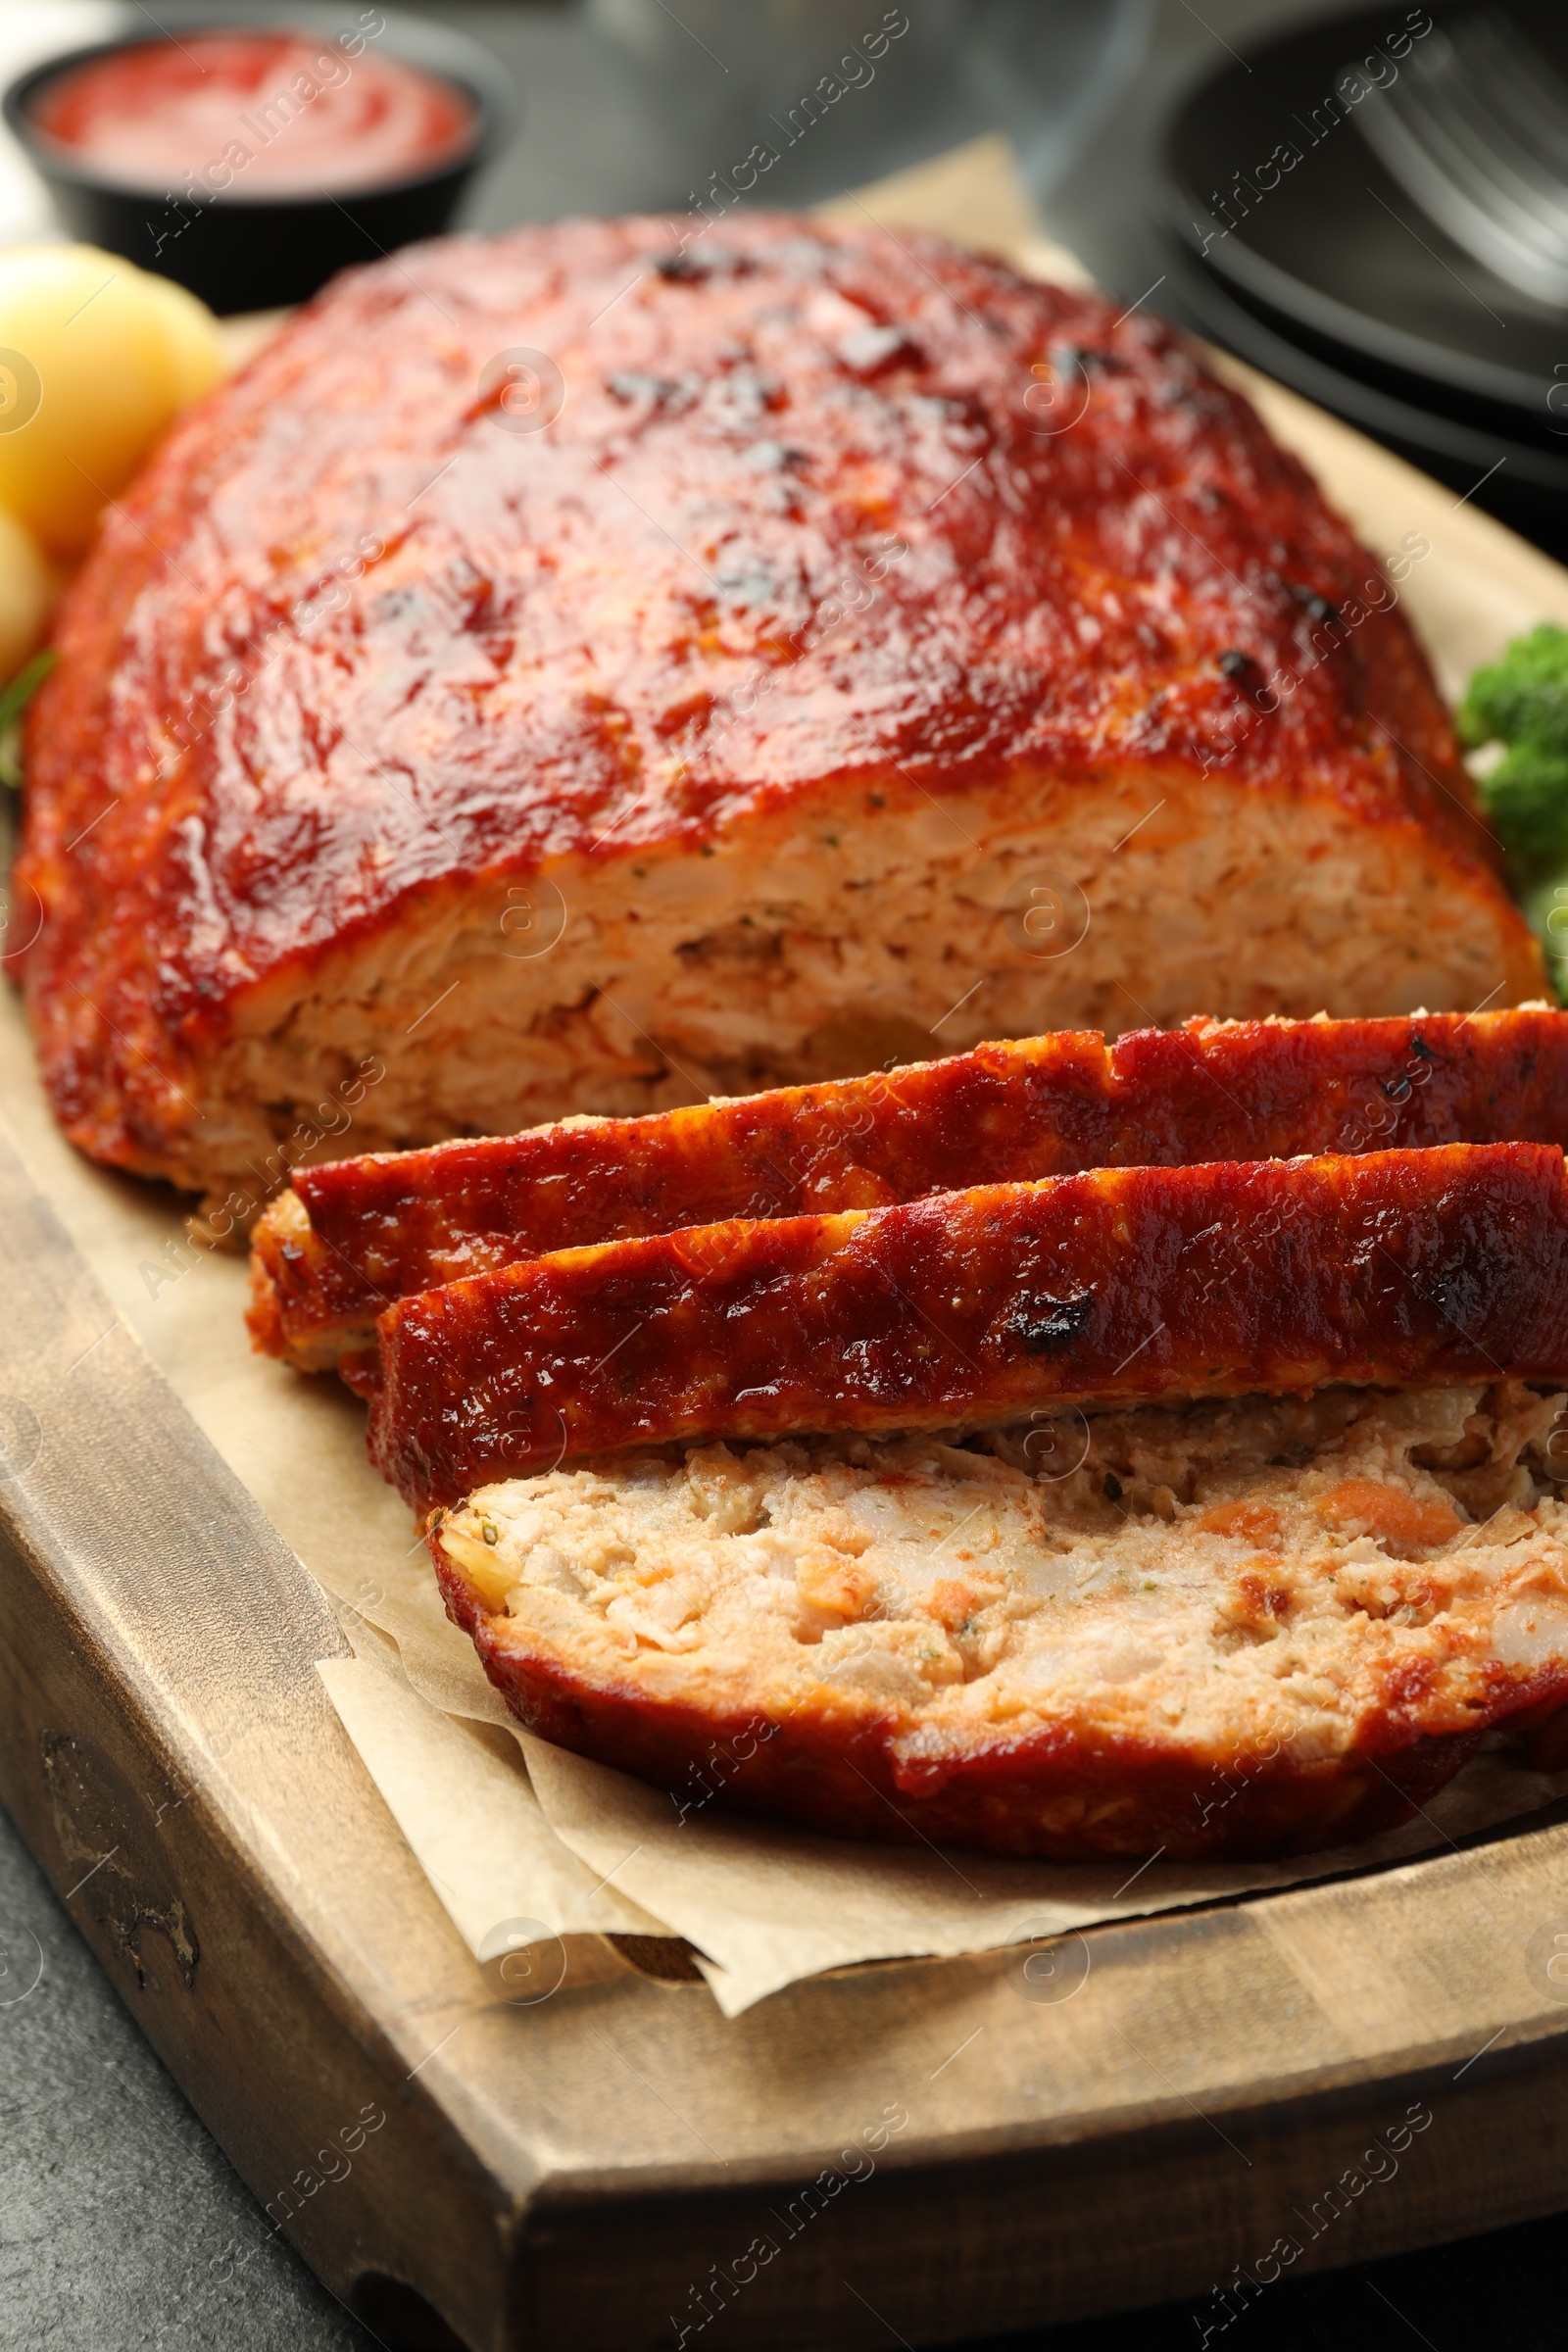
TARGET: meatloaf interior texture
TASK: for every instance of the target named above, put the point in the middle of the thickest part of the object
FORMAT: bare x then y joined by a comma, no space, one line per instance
356,1234
619,662
1389,1268
1206,1628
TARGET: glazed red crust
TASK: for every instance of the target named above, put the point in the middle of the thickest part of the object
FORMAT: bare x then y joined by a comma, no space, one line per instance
255,756
383,1227
820,1771
984,1306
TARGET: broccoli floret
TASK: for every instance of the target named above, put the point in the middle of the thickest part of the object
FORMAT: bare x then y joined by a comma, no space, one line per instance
1524,696
1522,701
1527,798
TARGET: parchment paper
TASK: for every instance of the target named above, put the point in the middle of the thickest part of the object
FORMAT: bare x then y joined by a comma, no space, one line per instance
522,1842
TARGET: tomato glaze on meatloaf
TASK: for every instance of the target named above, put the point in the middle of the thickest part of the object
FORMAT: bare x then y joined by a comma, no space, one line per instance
350,1237
1221,1630
793,687
988,1306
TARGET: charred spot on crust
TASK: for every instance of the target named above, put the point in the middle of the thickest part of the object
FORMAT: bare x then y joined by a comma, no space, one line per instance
1243,672
717,261
1045,1325
1318,607
1455,1294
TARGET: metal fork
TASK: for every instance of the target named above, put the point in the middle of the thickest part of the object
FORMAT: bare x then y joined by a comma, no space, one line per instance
1475,129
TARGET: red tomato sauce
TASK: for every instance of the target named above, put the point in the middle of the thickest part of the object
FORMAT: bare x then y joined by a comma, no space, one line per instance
255,113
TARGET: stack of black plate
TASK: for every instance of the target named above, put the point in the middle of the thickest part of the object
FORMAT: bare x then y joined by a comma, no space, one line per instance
1292,245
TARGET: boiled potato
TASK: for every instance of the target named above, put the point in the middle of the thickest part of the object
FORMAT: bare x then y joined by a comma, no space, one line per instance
194,338
28,590
95,359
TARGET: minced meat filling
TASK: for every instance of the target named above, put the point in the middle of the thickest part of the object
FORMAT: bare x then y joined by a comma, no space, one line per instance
1214,1571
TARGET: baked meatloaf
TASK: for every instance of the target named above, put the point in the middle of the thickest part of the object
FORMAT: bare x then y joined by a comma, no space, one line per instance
868,646
1233,1629
995,1305
355,1235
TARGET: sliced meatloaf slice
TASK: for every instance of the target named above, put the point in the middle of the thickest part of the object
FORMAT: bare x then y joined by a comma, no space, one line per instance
1219,1628
966,1308
616,663
355,1235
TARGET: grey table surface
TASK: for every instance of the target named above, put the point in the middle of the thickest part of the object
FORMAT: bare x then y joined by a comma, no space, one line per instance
123,2228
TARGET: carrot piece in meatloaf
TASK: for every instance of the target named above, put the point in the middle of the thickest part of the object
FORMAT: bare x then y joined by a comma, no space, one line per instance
989,1305
356,1234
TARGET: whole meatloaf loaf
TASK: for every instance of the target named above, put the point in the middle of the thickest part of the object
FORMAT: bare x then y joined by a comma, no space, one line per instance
617,661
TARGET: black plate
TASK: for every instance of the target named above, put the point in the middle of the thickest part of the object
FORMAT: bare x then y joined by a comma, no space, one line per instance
1522,485
1336,257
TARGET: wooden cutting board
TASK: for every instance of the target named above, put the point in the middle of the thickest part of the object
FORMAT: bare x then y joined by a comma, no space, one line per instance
915,2151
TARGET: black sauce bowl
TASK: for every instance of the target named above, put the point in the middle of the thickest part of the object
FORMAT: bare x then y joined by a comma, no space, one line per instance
251,252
